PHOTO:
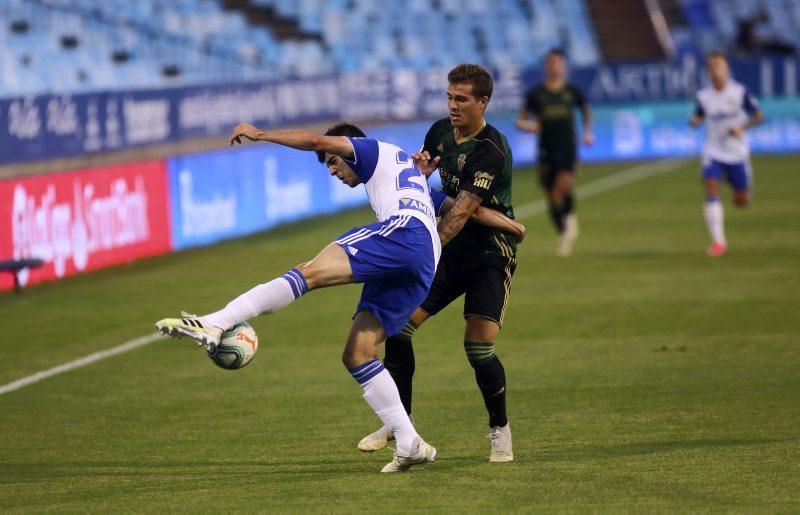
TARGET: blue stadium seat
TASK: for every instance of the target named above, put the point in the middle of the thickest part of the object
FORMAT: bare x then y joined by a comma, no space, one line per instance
203,39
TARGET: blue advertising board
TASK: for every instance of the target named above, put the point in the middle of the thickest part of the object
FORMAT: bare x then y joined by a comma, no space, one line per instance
647,131
223,194
49,127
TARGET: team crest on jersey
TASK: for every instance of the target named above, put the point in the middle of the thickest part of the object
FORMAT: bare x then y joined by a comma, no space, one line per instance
462,160
483,180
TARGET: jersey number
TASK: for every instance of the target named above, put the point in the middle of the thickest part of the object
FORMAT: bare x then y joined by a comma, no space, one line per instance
404,181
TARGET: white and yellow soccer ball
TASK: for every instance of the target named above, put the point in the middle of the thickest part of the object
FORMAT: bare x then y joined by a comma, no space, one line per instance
236,348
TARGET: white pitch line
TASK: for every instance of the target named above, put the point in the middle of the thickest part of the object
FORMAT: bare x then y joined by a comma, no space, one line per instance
78,363
627,176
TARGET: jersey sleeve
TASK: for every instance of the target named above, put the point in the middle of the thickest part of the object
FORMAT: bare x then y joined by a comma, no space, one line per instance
698,107
438,198
432,139
365,157
749,103
486,163
532,102
580,99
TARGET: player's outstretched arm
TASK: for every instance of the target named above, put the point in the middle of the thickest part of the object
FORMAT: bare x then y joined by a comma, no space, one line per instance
490,218
453,221
295,138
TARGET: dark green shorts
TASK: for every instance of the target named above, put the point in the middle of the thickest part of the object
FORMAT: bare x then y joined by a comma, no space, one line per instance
485,282
551,164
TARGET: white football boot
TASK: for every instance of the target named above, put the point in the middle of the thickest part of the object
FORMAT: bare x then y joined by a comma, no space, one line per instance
191,326
376,441
425,453
501,444
567,239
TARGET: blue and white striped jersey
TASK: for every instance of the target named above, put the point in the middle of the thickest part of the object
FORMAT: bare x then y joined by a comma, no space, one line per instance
723,109
394,185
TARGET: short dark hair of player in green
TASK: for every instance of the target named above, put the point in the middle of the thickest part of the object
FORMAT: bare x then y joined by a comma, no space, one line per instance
558,52
482,83
341,129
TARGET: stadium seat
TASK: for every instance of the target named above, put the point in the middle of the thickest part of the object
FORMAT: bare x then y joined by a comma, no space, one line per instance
201,38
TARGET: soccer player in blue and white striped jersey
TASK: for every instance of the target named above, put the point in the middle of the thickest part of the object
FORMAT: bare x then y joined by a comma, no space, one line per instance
729,110
395,258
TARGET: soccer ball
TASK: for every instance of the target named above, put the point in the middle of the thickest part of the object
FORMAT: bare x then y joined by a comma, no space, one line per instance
236,347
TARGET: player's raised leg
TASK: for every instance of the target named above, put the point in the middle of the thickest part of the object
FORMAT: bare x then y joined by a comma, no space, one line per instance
490,376
361,359
713,210
329,268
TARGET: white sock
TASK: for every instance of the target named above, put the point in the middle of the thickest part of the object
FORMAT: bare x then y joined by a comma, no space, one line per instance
381,394
264,298
715,220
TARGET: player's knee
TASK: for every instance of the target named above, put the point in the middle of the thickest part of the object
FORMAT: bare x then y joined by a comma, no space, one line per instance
353,355
741,200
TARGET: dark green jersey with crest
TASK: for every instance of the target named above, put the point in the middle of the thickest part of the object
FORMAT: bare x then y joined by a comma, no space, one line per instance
479,164
555,110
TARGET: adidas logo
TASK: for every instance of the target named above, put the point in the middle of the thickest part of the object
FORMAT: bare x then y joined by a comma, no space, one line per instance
353,251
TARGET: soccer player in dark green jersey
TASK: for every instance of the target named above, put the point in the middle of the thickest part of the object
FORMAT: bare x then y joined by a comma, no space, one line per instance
551,106
474,161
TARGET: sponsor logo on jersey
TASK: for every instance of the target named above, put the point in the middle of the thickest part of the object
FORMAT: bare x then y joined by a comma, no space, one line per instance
449,179
483,180
410,203
462,160
352,250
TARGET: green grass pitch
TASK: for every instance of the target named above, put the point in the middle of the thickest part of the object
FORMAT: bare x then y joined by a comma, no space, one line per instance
642,375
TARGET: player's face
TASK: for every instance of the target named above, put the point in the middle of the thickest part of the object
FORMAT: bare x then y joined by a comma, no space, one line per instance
341,170
554,67
718,70
466,110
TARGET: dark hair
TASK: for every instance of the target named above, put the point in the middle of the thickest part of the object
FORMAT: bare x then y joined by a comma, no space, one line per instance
482,83
341,129
714,54
556,51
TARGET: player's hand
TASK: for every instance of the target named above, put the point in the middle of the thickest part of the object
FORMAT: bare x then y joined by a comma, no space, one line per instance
521,231
243,129
736,131
588,138
426,165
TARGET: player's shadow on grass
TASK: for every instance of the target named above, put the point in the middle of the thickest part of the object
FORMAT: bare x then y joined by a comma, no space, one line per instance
644,448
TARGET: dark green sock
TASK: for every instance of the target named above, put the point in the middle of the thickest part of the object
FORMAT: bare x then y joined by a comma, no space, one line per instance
399,361
491,378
